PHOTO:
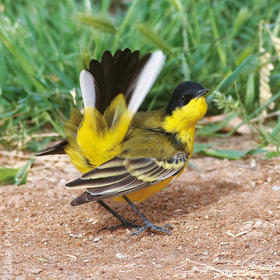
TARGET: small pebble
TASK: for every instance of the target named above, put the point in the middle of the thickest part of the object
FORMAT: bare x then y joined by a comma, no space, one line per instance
258,224
269,179
120,256
252,184
253,163
276,188
72,257
96,239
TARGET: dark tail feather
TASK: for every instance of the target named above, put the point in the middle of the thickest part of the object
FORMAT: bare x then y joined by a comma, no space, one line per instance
83,198
116,74
55,149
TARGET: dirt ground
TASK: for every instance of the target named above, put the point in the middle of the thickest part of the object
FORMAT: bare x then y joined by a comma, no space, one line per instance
225,217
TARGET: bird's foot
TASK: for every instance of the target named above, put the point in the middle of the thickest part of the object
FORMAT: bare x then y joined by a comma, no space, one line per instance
148,225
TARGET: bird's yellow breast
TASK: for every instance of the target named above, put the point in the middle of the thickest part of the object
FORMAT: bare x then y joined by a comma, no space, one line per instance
183,120
186,117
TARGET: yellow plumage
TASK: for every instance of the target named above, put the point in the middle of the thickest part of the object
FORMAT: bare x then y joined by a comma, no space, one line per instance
95,138
143,194
101,138
126,155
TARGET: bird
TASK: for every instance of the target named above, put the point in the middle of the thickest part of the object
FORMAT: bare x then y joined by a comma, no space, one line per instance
124,154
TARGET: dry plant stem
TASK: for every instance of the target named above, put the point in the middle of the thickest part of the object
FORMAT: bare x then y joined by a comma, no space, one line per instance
270,115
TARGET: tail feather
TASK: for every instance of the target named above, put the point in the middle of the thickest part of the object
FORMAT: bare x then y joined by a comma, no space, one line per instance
54,149
146,79
87,88
116,74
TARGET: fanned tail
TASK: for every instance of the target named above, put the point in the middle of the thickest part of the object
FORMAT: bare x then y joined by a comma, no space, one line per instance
116,74
112,91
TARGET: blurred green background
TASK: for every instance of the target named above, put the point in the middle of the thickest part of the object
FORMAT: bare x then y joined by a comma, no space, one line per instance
222,44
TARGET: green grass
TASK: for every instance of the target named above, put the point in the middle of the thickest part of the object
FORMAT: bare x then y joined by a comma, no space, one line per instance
44,45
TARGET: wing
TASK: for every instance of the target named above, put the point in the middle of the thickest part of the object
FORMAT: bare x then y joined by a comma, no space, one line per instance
121,176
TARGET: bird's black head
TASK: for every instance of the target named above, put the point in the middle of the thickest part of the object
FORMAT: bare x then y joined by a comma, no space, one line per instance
183,94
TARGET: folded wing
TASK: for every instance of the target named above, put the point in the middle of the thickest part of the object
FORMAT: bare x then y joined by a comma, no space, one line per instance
121,176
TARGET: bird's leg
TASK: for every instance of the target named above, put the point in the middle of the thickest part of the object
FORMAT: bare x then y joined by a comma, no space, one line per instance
148,224
124,222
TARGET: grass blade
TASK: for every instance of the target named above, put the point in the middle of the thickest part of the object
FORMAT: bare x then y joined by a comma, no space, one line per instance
221,52
234,75
256,112
22,174
99,23
153,38
7,175
124,24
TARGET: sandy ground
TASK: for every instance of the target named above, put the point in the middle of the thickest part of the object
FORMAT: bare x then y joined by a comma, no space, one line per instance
224,214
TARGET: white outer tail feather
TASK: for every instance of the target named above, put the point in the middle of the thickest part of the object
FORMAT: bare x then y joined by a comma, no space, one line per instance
146,79
87,88
143,84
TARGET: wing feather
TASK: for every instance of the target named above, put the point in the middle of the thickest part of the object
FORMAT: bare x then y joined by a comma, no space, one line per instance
121,176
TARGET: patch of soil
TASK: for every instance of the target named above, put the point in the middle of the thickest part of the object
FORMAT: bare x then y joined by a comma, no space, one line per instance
224,214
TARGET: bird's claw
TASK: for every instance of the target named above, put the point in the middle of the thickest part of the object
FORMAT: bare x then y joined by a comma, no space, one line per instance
149,225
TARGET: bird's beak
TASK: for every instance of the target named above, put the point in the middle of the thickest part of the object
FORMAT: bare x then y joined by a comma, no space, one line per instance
202,92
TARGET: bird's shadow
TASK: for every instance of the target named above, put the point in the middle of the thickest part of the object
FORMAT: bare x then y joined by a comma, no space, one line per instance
179,199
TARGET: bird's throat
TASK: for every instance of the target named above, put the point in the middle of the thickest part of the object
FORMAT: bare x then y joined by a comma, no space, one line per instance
186,137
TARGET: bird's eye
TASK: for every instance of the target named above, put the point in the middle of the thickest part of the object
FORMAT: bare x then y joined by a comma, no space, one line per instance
182,98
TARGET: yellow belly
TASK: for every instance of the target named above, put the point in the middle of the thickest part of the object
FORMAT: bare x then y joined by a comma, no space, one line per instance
143,194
